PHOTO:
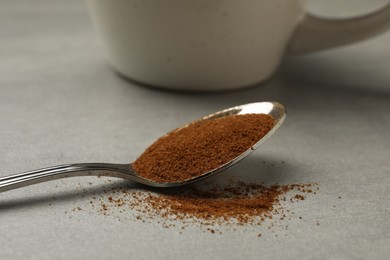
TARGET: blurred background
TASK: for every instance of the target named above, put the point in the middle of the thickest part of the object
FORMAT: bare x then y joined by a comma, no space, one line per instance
60,102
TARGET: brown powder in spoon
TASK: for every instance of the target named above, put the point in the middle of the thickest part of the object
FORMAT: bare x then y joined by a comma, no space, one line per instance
200,147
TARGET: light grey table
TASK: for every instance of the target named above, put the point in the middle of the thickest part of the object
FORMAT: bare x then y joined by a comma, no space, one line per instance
61,103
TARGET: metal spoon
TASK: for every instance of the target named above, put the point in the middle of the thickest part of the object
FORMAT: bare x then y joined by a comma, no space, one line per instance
125,171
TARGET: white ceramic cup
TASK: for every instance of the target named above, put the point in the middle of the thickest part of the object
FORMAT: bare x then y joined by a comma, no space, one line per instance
210,45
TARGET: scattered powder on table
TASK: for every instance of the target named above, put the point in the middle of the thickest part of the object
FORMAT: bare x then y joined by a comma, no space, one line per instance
200,147
208,205
242,203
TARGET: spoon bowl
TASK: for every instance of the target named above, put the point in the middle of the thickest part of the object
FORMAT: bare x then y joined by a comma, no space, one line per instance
126,171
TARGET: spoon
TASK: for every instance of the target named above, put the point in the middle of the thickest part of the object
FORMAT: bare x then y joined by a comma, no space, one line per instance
126,171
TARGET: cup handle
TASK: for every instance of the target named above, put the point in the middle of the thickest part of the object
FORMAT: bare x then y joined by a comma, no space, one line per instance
315,33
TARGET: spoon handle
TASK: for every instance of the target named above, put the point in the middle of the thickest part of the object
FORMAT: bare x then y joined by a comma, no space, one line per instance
63,171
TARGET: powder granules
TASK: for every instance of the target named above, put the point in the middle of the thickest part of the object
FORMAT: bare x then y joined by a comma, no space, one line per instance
243,203
200,147
209,204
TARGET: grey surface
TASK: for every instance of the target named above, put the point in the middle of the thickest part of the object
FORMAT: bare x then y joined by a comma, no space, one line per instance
61,103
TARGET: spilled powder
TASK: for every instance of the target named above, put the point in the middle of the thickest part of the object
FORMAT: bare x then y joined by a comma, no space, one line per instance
242,203
209,206
200,147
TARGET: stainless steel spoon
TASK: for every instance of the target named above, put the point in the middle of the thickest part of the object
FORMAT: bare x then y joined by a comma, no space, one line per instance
125,171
